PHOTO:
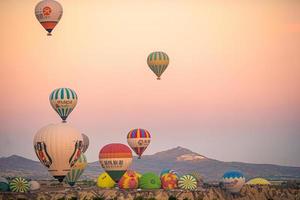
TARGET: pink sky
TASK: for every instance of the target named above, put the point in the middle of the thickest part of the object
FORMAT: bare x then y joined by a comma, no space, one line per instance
234,73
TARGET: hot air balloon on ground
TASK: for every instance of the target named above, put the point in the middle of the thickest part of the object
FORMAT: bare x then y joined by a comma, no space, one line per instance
115,159
138,140
149,180
4,185
48,13
167,170
233,181
158,62
169,181
86,142
77,170
130,180
105,181
58,147
19,184
34,185
258,181
63,101
187,182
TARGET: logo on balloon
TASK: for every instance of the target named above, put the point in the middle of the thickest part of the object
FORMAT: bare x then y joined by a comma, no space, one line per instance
42,154
47,11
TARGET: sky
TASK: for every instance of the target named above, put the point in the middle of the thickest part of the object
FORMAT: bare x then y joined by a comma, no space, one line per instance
231,91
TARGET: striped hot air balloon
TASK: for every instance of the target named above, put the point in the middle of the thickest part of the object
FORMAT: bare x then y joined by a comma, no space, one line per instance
115,159
187,182
48,13
63,101
233,181
19,184
158,62
138,139
77,170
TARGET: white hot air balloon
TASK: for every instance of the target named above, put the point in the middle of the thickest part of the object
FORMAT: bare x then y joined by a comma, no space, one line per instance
58,147
48,13
86,142
34,185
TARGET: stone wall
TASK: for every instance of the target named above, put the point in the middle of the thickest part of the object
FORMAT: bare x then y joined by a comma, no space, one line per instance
211,193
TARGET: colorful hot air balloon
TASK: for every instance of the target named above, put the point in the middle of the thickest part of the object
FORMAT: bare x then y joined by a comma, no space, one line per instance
115,159
105,181
233,181
149,180
48,13
158,62
63,101
19,184
187,182
58,147
86,142
169,181
138,140
130,180
77,170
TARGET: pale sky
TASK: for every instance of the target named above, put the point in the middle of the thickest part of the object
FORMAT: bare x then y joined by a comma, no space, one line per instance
231,91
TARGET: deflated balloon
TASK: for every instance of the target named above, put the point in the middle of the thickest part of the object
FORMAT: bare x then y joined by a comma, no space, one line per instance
115,159
138,139
58,147
63,101
158,62
76,170
48,13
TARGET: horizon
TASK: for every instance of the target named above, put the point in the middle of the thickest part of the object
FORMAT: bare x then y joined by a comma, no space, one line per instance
230,92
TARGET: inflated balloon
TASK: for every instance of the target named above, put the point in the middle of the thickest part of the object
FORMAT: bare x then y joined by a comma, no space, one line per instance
86,142
149,181
77,170
187,182
115,159
34,185
258,181
130,180
167,170
105,181
4,185
58,147
169,181
158,62
19,185
233,181
63,101
48,13
138,140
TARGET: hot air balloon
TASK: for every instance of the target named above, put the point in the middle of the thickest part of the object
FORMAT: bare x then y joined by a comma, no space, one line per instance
86,142
233,181
105,181
138,140
149,180
115,159
77,170
63,101
258,181
58,147
4,185
19,184
169,181
158,62
48,13
167,170
187,182
130,180
34,185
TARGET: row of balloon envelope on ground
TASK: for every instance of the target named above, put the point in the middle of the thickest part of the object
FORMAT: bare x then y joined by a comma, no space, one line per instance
168,180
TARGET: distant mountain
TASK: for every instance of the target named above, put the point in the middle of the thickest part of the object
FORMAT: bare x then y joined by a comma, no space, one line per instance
180,159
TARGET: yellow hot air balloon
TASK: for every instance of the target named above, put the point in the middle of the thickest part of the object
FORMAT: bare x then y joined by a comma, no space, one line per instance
158,62
258,181
48,13
58,147
105,181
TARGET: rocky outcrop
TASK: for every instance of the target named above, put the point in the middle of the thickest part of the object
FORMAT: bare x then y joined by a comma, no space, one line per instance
210,193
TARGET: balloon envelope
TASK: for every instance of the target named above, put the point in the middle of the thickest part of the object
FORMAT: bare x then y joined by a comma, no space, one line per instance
34,185
19,185
187,182
130,180
149,181
258,181
63,101
115,159
138,139
169,181
48,13
58,147
86,142
77,170
233,181
158,62
4,185
105,181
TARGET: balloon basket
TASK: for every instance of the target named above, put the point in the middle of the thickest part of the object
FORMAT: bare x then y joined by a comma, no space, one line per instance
158,78
49,34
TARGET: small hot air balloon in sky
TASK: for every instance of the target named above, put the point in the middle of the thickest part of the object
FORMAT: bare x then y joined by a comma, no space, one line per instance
86,142
233,181
138,139
58,147
48,13
77,170
158,62
115,159
63,101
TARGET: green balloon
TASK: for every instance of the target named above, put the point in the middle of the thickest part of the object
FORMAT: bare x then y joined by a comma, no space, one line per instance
4,187
149,181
